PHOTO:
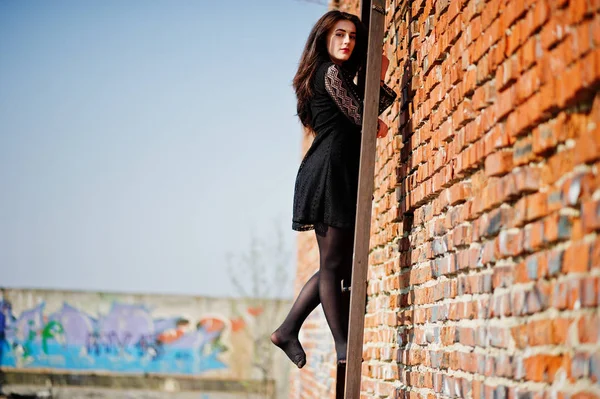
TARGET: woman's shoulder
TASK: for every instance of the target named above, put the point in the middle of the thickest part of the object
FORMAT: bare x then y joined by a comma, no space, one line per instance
328,69
324,67
333,70
319,76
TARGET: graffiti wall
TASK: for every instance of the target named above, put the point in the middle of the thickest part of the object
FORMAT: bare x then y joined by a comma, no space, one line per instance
136,333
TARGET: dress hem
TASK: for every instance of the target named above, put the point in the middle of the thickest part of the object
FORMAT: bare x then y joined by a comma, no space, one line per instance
319,227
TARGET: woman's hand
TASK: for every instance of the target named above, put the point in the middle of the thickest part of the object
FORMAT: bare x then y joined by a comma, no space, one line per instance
382,129
385,63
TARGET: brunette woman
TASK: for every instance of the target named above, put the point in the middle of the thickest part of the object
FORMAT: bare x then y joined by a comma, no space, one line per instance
330,105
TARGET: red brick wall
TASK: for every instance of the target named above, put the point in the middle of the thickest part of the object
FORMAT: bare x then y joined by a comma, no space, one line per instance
484,278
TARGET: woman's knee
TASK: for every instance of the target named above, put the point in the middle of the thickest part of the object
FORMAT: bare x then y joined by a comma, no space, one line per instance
335,261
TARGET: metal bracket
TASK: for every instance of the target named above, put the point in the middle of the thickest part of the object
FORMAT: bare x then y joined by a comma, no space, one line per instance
345,288
379,9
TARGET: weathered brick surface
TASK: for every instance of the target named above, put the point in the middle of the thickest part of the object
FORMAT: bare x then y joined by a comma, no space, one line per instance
484,277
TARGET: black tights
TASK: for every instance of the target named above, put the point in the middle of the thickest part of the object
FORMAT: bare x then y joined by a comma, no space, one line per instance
324,287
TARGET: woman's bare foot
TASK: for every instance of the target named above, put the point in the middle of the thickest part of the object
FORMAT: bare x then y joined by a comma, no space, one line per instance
291,346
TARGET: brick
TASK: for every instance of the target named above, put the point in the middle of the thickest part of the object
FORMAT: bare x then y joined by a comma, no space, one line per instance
515,38
508,244
505,102
579,366
499,163
528,54
595,253
537,206
532,268
578,10
521,271
523,151
560,330
459,193
587,147
501,305
469,81
540,332
579,75
534,236
584,395
557,166
595,367
528,83
497,138
502,276
589,328
490,224
594,32
553,64
483,96
577,258
573,288
577,188
559,296
499,337
554,31
540,368
590,214
541,14
528,114
589,291
527,179
507,73
538,299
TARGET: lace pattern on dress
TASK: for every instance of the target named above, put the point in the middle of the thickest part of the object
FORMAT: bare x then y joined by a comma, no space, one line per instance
342,92
386,97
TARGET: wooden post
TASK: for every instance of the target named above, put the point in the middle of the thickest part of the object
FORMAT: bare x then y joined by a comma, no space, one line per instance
362,234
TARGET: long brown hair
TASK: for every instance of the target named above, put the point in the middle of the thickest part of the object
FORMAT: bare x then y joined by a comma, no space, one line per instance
315,52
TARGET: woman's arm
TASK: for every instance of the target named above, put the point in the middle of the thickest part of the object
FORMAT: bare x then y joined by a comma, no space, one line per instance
344,94
386,94
382,129
386,97
385,63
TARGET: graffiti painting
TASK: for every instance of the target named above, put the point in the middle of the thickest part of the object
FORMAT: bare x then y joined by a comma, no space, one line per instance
126,339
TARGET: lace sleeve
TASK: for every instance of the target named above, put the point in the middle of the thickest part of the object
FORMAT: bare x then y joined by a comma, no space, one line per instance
344,94
386,97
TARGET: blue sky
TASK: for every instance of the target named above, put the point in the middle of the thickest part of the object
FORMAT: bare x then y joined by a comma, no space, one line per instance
142,141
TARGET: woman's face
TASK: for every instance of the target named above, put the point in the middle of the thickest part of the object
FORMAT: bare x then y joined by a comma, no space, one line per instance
341,40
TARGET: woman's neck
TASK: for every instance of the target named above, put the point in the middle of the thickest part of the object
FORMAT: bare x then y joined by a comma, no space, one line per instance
337,62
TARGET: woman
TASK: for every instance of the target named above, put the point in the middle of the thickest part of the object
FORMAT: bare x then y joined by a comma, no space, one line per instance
330,105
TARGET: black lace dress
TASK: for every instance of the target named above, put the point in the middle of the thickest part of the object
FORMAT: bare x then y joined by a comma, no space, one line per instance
327,182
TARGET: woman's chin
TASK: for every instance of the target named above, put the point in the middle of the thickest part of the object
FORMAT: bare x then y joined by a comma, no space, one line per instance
341,58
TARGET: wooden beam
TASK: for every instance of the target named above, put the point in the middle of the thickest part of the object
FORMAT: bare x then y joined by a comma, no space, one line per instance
365,12
365,192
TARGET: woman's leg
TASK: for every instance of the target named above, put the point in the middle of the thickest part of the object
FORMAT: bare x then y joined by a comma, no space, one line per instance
286,336
335,251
